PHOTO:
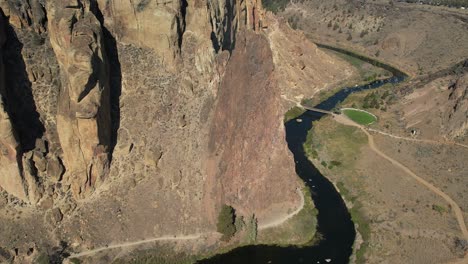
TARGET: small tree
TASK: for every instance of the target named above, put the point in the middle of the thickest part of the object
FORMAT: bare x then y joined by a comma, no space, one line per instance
226,222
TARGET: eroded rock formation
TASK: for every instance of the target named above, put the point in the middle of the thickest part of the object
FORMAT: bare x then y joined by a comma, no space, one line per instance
83,112
11,179
456,115
254,155
185,97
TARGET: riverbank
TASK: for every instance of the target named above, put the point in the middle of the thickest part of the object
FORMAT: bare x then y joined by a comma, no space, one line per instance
398,213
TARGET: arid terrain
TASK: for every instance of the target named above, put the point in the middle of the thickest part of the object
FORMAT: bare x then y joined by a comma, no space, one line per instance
153,132
422,125
128,125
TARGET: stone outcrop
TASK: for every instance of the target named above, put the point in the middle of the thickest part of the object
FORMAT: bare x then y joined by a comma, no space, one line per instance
133,22
456,115
11,178
184,96
83,112
25,14
251,161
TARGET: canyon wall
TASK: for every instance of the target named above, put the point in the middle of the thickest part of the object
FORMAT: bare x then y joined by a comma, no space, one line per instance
11,179
124,120
83,112
455,121
105,99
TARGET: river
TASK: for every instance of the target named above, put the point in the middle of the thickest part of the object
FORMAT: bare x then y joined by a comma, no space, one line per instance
334,221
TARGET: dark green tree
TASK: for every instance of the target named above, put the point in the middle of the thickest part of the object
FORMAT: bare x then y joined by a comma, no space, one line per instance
226,222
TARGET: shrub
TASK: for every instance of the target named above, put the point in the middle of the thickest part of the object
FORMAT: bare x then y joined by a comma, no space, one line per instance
275,6
363,33
252,229
335,163
226,222
438,208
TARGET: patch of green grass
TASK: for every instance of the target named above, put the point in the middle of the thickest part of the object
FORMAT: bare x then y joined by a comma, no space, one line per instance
367,71
360,117
340,145
75,261
439,208
308,146
337,144
293,113
275,6
351,59
359,219
300,229
42,259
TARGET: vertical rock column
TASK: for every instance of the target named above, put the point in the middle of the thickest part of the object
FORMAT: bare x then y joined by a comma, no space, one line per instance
11,179
83,114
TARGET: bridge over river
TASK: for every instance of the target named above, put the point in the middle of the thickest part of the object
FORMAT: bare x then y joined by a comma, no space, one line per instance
317,110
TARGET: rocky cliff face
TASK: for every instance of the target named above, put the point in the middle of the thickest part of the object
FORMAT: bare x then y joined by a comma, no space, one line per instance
11,179
456,113
253,155
146,114
83,112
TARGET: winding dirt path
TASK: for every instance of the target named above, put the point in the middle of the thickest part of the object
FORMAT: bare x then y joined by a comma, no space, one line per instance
282,220
456,209
136,243
192,237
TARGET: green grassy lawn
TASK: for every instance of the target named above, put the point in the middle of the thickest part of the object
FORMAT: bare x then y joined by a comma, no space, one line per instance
360,117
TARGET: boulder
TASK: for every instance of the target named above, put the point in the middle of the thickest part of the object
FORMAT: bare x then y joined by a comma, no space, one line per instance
55,169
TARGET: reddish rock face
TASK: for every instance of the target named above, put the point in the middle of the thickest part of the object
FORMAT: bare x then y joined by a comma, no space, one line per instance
255,170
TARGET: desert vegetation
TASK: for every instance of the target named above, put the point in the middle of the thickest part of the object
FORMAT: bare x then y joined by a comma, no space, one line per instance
226,222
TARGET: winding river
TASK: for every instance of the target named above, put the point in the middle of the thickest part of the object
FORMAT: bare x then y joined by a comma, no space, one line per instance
334,221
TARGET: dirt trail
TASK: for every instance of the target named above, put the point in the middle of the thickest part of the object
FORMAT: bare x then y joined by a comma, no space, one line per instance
454,206
282,220
271,224
418,140
136,243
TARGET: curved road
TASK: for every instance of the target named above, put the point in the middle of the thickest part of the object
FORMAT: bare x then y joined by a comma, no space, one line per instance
456,209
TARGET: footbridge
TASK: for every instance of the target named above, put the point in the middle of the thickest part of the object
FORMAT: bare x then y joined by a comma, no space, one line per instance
317,110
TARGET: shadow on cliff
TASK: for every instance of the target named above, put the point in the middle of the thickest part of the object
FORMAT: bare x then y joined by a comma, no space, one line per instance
228,41
18,95
115,76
